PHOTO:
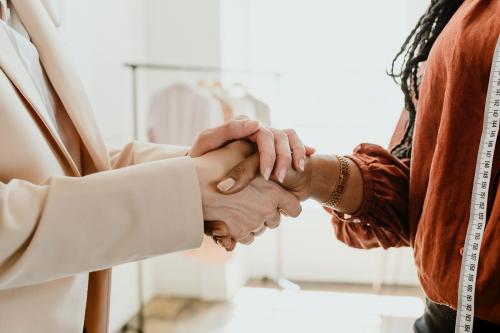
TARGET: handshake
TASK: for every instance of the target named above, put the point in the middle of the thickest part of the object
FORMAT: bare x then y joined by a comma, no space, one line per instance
249,176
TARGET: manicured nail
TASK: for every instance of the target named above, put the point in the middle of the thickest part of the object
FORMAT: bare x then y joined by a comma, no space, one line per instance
281,175
302,164
267,173
226,184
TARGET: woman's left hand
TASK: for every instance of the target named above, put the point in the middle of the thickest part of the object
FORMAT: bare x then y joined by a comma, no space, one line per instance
280,150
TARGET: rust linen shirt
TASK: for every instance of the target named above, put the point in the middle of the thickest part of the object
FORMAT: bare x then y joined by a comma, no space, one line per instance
425,202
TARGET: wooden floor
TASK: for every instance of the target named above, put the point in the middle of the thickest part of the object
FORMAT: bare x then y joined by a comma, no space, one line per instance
316,308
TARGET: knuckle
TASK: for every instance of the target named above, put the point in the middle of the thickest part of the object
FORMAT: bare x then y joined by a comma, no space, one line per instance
230,126
299,149
206,133
280,135
296,212
239,235
238,170
267,133
269,212
273,224
287,158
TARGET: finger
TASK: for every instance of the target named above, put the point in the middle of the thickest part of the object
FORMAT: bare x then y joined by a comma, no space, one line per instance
274,221
310,150
231,246
264,139
259,231
216,137
216,228
240,176
298,150
226,242
288,204
248,239
283,154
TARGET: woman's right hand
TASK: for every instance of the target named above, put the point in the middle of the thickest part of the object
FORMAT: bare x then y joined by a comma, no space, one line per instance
238,217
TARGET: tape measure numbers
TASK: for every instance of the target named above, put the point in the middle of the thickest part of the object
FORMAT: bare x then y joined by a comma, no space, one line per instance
479,202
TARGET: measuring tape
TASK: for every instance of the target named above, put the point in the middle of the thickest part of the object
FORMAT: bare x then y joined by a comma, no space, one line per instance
479,202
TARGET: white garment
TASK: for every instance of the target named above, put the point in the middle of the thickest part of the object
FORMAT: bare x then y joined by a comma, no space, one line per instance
30,58
240,106
262,110
179,113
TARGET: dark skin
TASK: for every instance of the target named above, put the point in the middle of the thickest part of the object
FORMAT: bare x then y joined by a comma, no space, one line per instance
316,183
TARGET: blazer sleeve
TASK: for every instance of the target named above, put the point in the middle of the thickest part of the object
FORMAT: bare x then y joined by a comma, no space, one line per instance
72,225
137,152
382,220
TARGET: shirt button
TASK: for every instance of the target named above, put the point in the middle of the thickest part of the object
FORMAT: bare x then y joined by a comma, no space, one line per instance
462,251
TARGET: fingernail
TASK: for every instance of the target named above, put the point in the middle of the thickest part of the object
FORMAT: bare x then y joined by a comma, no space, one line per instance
226,184
281,175
267,173
302,164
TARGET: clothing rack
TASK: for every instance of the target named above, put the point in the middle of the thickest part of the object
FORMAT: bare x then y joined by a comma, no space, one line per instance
135,67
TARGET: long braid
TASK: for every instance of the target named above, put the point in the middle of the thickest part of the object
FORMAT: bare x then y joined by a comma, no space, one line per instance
415,50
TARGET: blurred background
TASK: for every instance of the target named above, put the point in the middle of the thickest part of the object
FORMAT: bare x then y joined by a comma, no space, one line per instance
317,66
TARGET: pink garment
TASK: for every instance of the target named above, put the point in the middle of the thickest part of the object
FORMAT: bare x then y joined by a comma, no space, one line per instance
180,112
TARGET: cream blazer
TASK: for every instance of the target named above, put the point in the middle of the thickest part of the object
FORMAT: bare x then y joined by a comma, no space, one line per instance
61,219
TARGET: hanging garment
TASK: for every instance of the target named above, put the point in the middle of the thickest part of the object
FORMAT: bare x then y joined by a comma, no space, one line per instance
240,105
180,112
212,89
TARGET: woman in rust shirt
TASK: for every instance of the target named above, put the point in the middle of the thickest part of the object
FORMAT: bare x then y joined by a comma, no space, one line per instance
418,192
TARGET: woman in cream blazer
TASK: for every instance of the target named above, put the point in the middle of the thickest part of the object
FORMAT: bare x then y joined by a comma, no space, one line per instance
68,206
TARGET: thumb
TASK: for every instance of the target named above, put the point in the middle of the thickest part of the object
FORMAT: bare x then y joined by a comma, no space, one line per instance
217,137
241,175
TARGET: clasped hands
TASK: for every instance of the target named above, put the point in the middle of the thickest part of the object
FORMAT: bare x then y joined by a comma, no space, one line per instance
249,176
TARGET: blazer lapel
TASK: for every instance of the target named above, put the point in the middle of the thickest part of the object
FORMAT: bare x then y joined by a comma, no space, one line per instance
63,76
13,67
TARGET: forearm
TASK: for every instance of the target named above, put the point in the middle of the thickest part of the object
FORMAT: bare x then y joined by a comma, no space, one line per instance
324,175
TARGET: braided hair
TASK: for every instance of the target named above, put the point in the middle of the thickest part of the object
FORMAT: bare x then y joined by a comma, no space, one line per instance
415,50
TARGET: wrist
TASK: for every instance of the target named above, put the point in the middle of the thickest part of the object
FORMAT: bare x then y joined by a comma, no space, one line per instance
324,174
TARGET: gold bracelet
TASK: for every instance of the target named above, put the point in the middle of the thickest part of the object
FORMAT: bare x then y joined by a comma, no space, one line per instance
336,196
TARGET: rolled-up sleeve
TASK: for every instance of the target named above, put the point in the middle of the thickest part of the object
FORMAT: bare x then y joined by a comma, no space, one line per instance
382,220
